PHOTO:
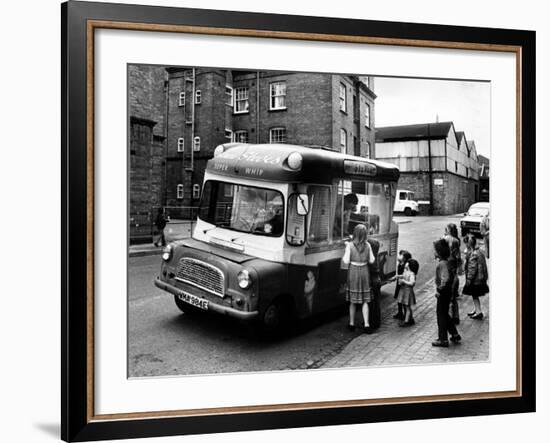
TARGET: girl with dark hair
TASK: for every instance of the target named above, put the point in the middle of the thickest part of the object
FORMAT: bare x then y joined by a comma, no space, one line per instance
402,258
444,285
455,264
358,255
476,276
406,295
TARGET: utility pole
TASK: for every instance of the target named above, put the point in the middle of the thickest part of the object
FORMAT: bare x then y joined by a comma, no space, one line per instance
431,186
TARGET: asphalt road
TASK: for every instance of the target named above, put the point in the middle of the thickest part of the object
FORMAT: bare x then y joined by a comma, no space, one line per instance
163,341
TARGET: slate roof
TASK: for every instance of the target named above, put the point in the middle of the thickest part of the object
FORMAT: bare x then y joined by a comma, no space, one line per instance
413,132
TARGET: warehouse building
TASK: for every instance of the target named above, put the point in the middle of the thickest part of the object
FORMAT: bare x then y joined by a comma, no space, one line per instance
436,162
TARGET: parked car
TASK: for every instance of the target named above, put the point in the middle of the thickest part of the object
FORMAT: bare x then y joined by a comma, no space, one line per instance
405,202
472,219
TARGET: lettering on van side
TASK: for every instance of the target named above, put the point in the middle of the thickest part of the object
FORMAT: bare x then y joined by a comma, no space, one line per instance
254,171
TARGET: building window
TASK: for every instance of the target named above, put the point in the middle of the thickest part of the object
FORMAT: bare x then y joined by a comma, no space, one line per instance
181,145
228,134
228,95
241,136
197,144
343,141
196,191
368,153
180,192
181,101
367,116
198,97
277,135
277,94
343,98
241,100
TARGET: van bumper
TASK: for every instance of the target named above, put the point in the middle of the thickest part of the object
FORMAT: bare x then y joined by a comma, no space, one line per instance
212,306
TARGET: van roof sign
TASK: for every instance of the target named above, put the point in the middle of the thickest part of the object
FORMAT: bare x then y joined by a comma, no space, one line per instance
269,162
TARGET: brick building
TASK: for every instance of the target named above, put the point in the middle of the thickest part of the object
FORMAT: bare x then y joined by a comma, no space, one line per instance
208,107
178,116
147,133
436,162
484,168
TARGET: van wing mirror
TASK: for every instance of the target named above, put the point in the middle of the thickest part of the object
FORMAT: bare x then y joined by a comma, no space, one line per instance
302,204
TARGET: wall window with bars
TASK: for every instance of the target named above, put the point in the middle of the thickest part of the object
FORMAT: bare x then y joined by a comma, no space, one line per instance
277,135
197,144
343,141
367,115
240,136
198,97
181,144
241,100
343,98
228,134
179,191
181,99
277,95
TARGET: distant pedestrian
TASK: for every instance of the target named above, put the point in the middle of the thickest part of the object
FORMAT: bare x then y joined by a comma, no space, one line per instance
476,276
403,257
160,223
455,264
444,286
406,296
484,230
358,256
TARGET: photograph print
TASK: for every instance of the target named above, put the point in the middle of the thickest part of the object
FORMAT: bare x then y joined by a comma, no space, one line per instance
284,221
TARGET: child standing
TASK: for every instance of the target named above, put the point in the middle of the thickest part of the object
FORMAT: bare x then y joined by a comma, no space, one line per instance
358,255
402,258
406,296
444,278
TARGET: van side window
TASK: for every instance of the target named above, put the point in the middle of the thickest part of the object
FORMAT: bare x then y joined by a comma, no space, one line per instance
402,196
295,223
373,209
319,215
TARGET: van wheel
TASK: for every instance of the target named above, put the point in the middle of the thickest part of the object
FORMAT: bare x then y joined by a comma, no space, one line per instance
275,319
407,212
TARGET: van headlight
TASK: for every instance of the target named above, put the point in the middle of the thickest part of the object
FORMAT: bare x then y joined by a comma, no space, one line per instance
243,277
167,252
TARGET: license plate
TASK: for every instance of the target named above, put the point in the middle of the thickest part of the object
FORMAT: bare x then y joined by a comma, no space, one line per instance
193,300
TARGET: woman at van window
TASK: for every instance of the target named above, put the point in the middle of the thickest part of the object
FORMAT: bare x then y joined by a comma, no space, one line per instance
358,256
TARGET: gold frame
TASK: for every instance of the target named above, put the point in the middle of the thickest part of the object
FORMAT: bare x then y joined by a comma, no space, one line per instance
92,25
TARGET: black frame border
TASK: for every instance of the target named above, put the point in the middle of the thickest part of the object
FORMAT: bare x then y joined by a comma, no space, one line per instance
75,422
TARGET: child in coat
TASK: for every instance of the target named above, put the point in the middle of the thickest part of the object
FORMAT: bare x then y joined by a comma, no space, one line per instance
402,258
406,296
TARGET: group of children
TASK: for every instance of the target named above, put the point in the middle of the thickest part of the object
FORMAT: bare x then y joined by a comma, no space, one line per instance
450,264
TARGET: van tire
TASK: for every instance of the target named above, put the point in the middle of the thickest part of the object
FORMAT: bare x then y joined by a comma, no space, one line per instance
275,319
407,212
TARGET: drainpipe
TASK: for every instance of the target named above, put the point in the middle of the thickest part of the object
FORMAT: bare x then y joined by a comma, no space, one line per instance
257,106
431,188
193,126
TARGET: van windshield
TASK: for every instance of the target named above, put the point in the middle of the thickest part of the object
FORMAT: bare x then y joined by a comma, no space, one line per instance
242,208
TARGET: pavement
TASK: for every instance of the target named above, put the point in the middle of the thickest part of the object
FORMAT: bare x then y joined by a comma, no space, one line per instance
393,345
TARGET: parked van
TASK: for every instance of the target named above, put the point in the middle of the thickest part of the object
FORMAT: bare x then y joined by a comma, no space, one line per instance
271,230
405,202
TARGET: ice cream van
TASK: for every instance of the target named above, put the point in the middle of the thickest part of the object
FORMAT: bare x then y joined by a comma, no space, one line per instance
271,230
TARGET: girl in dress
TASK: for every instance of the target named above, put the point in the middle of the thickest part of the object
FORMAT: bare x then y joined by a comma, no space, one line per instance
406,291
357,256
476,276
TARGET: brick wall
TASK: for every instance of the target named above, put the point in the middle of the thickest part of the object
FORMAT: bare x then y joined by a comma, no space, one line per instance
453,196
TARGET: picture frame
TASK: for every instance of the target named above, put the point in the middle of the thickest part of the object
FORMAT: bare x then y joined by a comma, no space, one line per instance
80,20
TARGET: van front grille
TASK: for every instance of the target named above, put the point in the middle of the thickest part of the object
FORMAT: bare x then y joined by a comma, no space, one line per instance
201,275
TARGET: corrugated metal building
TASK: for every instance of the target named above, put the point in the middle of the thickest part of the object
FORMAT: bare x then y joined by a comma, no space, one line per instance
437,163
